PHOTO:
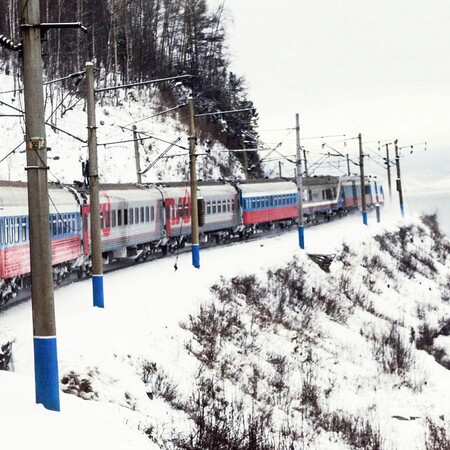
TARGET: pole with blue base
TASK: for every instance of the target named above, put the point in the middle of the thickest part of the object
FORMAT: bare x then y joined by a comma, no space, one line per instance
193,183
301,228
42,295
94,195
363,181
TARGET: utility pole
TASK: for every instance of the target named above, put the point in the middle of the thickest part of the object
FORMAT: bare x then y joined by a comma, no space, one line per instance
246,174
42,296
94,196
388,166
301,229
280,174
193,175
306,162
399,180
136,155
348,165
363,184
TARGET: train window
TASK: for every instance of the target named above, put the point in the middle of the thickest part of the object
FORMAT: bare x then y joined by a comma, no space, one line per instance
16,229
6,228
180,210
11,230
136,214
119,217
114,222
219,206
214,207
147,214
152,215
2,231
233,205
54,225
131,216
125,216
229,205
208,208
108,219
142,214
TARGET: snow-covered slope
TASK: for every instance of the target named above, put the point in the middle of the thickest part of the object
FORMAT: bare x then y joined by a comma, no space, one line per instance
281,349
115,117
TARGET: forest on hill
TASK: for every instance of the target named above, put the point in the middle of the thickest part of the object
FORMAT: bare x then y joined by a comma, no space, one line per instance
137,40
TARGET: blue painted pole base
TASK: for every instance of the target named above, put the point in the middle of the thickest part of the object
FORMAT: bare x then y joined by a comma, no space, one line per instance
364,216
402,210
301,236
196,255
46,372
97,291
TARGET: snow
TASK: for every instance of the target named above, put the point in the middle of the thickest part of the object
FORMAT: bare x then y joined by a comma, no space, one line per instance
144,307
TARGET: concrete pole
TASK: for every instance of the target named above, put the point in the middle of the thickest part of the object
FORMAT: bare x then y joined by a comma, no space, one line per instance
348,165
42,298
306,162
280,173
136,156
246,174
363,184
301,229
399,180
96,232
193,176
388,164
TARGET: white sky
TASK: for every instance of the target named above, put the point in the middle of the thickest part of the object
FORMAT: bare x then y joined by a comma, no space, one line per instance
380,68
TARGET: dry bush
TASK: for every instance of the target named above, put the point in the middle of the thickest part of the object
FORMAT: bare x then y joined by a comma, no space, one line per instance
437,436
210,327
158,384
6,356
357,432
390,349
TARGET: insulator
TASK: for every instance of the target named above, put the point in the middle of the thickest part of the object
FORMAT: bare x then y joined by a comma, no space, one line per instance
9,44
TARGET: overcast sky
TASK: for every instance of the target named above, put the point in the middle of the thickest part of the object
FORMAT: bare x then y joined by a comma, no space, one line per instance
380,68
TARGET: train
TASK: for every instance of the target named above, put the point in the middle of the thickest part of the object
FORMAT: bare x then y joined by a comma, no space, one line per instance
139,220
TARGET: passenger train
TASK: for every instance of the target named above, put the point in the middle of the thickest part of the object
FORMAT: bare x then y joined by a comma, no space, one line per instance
138,220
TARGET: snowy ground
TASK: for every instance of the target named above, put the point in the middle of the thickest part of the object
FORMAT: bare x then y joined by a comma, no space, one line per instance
141,321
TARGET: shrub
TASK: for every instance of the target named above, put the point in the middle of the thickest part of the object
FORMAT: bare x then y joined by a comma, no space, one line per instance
6,356
158,383
437,437
357,432
392,352
210,327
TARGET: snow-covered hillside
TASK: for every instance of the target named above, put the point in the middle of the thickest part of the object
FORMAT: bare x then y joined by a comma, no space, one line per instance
279,353
115,118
